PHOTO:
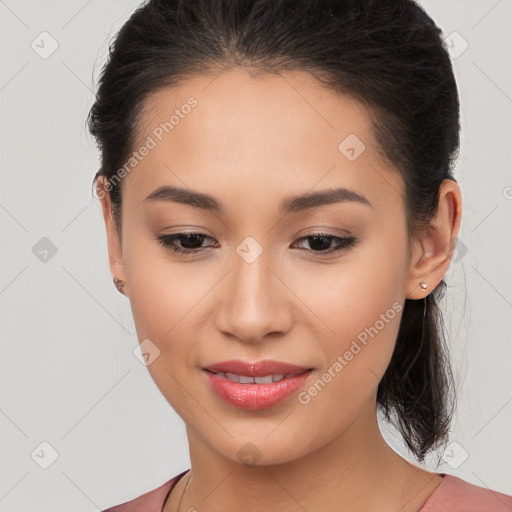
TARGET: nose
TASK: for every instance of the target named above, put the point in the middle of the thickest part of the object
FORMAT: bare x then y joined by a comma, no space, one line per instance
254,301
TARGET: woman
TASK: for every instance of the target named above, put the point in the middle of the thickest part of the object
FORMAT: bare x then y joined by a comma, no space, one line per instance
277,189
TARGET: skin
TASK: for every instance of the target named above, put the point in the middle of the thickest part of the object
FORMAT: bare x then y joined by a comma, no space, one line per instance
251,143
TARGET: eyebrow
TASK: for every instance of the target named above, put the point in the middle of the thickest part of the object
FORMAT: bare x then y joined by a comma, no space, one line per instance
292,204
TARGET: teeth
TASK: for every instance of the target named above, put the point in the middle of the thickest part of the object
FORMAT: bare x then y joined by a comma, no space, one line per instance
264,380
245,379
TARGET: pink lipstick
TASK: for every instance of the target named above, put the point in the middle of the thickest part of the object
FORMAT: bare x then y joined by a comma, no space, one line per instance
255,386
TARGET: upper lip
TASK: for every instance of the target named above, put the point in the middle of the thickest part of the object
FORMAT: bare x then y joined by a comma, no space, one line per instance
257,369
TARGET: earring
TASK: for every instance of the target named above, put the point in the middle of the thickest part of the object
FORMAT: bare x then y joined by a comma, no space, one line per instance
423,285
119,285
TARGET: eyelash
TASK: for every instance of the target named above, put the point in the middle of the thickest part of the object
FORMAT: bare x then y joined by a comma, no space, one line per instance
344,243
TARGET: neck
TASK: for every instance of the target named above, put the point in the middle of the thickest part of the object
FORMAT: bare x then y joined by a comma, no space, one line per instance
354,471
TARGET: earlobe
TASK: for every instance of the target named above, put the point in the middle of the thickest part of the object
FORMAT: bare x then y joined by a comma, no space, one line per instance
113,240
119,284
421,277
433,253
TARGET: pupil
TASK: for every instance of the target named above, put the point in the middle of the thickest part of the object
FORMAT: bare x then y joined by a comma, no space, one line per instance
315,239
195,238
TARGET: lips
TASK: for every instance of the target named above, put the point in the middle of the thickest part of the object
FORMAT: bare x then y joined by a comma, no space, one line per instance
257,369
240,383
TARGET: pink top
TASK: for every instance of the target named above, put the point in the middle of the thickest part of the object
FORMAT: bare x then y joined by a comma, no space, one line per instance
452,495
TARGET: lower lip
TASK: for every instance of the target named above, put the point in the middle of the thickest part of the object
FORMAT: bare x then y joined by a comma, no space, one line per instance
255,396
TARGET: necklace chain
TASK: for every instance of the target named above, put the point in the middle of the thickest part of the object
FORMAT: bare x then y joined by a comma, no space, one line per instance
184,491
190,477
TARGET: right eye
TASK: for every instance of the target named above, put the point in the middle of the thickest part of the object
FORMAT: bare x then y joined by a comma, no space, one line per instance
188,239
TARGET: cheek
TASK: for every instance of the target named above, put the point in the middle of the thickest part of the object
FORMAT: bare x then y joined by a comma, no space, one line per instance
164,300
351,298
357,306
354,365
161,293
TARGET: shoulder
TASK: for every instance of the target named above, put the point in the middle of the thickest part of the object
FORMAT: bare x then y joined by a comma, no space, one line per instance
457,495
151,501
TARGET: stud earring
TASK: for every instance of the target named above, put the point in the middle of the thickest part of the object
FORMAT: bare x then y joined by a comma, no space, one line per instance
423,285
119,285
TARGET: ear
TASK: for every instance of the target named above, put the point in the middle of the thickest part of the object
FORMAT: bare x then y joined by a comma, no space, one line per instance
113,237
432,253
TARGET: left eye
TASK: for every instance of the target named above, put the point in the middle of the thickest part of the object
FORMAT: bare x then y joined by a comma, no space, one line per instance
321,242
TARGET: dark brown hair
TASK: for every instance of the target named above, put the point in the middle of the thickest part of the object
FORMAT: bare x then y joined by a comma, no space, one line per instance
387,54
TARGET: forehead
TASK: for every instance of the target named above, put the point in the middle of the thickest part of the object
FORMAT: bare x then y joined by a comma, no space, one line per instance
234,103
236,132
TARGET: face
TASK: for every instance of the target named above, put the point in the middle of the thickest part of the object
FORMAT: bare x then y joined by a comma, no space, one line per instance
319,283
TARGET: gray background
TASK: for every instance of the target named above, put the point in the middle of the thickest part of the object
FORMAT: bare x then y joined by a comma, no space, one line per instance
68,374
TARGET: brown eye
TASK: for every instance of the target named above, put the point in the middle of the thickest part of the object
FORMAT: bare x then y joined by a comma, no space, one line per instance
190,242
321,243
